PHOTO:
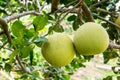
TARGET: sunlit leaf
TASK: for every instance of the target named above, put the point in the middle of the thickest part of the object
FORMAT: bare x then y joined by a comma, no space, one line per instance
40,21
18,29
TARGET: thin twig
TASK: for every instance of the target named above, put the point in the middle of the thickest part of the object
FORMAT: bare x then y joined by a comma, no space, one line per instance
38,5
79,13
21,65
63,9
12,17
42,6
117,26
59,20
3,45
106,12
9,6
100,2
70,11
113,45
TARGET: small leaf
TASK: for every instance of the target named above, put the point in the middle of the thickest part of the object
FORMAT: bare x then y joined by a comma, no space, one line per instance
58,28
13,55
108,78
36,73
18,29
71,18
76,24
25,52
8,67
29,33
40,22
40,40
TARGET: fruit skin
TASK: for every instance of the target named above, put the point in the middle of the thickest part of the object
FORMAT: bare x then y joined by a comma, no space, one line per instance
91,38
58,50
118,20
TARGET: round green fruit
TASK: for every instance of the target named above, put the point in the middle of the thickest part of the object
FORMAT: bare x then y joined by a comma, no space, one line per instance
91,38
58,50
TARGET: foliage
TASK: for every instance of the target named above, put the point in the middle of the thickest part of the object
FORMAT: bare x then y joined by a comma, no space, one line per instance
28,32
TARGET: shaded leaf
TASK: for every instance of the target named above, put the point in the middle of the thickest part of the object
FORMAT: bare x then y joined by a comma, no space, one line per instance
25,51
76,24
71,18
29,33
8,67
108,78
58,28
31,57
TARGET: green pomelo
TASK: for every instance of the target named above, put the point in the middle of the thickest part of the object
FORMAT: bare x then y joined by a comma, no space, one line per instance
58,50
91,38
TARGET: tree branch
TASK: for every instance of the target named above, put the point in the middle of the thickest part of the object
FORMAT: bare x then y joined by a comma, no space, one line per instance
87,12
117,26
64,10
12,17
54,5
21,65
100,2
115,46
5,28
106,12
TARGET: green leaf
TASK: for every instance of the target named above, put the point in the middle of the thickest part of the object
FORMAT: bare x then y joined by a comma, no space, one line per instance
71,18
40,40
8,67
40,21
18,29
31,57
58,28
108,78
25,51
76,24
109,55
36,73
13,55
29,33
118,77
19,42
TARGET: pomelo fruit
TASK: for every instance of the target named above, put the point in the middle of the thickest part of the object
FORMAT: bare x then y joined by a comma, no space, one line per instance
58,50
91,38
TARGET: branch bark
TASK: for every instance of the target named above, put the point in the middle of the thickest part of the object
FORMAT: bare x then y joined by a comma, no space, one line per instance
5,28
115,46
106,12
100,2
117,26
87,12
54,5
12,17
